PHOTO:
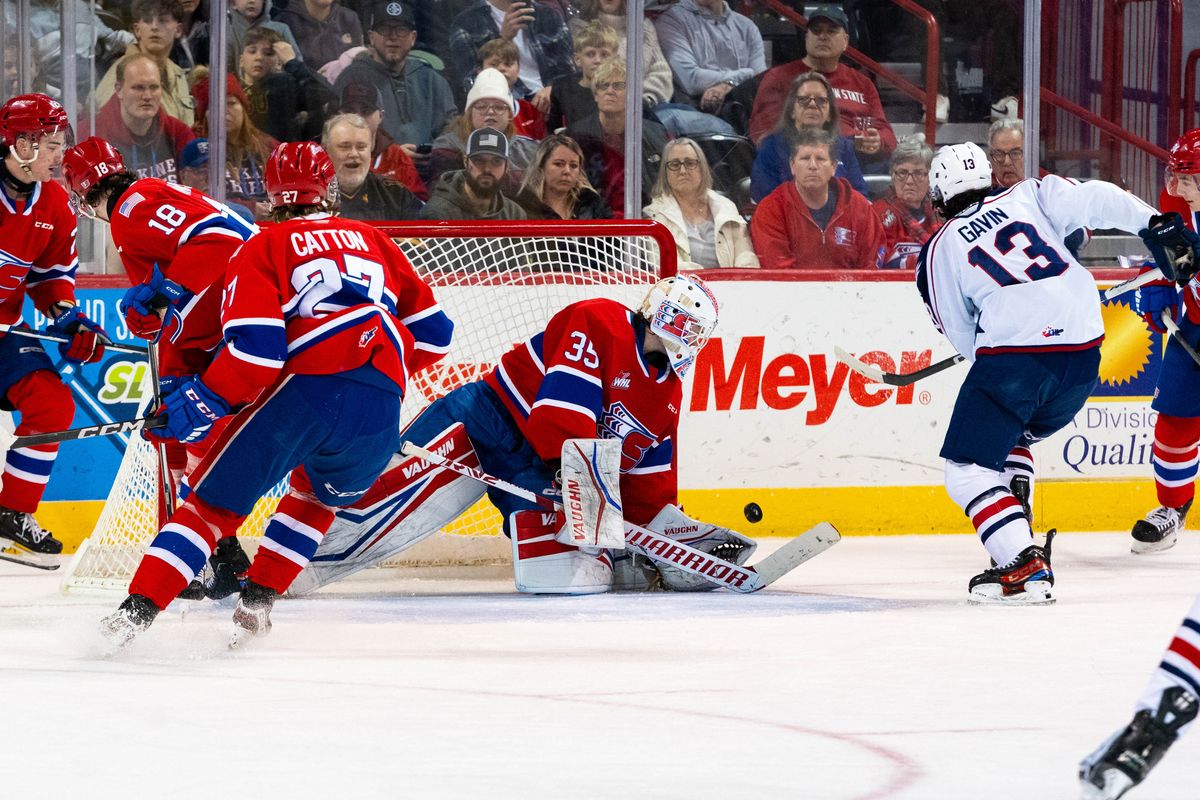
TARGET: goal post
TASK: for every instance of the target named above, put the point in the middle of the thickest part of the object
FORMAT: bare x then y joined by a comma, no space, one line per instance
500,282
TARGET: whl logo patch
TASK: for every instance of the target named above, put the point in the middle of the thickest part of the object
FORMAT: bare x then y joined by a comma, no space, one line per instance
1050,332
621,381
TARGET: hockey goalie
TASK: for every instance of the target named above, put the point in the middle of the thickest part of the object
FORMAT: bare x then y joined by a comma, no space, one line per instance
596,394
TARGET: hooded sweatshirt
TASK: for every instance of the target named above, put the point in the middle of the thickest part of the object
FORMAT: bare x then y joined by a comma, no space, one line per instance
322,41
417,103
449,201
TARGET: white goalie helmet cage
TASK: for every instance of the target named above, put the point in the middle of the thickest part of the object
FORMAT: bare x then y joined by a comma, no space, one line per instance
682,312
959,168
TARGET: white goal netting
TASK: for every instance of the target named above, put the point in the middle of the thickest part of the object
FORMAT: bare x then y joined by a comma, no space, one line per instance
500,282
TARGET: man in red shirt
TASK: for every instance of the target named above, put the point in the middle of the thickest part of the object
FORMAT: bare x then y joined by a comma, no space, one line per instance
860,109
816,221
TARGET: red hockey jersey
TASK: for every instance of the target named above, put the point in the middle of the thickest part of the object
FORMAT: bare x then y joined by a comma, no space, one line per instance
585,377
191,238
37,250
321,295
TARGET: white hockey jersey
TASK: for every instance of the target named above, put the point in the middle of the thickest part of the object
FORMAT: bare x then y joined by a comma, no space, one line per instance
999,278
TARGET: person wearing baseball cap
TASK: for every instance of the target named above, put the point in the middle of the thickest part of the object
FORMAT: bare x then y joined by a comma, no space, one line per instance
860,110
416,101
388,159
474,191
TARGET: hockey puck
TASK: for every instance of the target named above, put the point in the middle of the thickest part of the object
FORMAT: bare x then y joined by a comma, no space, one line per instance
753,512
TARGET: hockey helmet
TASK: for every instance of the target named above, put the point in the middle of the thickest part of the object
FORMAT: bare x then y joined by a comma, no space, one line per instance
958,168
84,165
300,174
1185,154
682,312
31,116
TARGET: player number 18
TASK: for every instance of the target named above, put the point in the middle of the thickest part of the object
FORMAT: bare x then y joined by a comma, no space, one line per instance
171,216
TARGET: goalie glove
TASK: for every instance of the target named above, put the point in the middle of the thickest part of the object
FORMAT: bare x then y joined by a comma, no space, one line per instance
1175,247
712,539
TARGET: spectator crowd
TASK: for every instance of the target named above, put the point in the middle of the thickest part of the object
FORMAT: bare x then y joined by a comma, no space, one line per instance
516,109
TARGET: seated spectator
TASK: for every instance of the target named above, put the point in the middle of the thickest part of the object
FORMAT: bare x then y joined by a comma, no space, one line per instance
708,230
502,56
809,104
253,15
474,191
365,195
134,121
571,97
191,48
489,105
816,221
417,101
711,49
388,159
9,86
1006,150
538,31
246,150
555,186
861,112
905,209
287,99
155,28
323,29
601,136
193,172
657,81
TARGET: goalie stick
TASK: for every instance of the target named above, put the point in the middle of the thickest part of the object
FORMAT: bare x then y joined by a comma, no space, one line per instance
49,337
894,378
665,550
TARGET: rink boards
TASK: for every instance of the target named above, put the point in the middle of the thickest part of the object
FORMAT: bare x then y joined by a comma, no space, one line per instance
771,417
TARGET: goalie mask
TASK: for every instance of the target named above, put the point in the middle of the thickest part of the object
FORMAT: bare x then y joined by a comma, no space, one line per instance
682,312
956,169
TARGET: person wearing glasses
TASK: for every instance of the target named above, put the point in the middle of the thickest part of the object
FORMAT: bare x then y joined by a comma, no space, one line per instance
809,104
1006,150
708,230
816,221
489,105
905,209
601,136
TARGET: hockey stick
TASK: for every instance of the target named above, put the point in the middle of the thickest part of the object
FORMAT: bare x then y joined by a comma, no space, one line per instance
8,440
1173,329
894,378
50,337
1137,282
665,550
160,447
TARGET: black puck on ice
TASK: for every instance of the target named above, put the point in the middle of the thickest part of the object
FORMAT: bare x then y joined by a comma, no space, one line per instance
753,512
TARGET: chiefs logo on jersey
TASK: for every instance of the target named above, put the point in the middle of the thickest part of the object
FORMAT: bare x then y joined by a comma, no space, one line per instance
636,439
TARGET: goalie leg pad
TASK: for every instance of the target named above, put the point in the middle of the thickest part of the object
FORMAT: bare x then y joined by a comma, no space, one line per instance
543,565
721,542
591,492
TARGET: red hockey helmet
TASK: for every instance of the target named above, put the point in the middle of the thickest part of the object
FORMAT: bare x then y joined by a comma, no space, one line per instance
300,174
1185,154
32,116
89,161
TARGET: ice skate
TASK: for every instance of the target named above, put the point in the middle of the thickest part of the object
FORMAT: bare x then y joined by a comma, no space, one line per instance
1029,581
133,616
1160,529
1126,757
20,530
252,617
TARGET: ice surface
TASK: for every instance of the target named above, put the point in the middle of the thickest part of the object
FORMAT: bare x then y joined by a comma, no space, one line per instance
864,674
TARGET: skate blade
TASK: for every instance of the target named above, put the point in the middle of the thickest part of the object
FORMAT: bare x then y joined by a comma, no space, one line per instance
243,639
1116,784
1037,593
1166,543
16,554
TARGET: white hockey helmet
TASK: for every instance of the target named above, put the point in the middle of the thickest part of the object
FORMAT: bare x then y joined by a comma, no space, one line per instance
958,168
682,312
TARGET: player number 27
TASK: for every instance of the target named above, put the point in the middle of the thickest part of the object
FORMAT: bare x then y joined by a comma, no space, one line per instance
1045,262
582,350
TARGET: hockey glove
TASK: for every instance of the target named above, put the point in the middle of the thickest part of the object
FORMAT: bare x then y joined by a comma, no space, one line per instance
1175,247
142,303
1154,298
87,338
167,384
190,410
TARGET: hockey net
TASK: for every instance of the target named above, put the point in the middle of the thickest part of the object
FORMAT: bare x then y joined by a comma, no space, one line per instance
500,282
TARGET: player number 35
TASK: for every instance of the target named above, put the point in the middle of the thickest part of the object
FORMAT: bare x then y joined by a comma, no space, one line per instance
582,351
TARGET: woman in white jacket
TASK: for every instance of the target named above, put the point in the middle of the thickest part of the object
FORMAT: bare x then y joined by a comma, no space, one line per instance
708,230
